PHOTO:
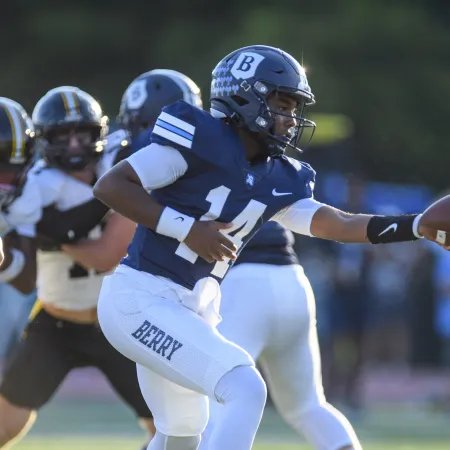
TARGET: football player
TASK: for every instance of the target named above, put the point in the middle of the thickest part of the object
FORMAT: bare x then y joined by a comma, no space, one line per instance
268,309
149,93
16,132
16,155
219,177
141,105
17,220
63,332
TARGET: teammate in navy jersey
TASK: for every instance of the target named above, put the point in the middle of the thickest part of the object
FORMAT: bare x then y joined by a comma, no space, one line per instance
273,244
147,95
268,309
143,101
213,179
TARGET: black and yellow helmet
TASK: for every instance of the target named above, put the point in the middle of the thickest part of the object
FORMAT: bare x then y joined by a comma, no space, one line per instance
66,108
16,149
16,136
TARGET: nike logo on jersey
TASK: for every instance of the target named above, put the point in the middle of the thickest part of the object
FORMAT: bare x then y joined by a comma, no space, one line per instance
390,227
278,194
182,218
161,342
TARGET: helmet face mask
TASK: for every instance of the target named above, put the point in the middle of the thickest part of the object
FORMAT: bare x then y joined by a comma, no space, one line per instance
64,112
16,150
149,93
245,82
59,149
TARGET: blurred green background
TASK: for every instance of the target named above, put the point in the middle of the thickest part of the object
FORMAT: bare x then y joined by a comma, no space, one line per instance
380,71
384,65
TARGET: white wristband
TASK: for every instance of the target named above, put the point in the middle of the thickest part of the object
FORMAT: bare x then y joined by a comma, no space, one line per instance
14,269
415,227
174,224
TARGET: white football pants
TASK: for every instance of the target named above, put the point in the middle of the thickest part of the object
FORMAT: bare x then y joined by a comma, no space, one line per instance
270,312
180,356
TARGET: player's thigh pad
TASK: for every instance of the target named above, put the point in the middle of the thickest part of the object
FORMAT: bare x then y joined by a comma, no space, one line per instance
177,411
141,316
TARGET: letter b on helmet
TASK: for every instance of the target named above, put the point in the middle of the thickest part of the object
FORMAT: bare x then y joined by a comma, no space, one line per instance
246,65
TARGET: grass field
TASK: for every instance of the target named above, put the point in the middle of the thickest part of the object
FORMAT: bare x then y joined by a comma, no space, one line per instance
97,443
89,425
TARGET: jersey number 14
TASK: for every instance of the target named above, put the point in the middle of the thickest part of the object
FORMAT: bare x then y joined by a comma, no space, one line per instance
244,222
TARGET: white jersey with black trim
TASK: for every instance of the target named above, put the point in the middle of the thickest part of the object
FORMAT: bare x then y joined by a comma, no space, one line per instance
61,282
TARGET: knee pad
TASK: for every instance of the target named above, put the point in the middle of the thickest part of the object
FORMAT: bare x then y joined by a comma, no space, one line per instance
184,423
163,442
242,383
254,386
182,443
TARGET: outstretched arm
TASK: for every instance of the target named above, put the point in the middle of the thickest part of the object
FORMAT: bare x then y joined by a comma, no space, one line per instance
312,218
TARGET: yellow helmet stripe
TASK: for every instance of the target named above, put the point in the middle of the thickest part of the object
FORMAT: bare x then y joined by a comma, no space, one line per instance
64,96
18,132
76,102
71,102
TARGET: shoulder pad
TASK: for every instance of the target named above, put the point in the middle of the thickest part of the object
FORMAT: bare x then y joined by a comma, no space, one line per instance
48,180
305,173
186,128
118,147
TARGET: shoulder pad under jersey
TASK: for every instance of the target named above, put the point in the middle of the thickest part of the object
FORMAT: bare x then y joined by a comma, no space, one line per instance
188,129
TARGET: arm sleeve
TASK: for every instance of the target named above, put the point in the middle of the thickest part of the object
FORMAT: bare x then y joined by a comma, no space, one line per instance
157,165
298,216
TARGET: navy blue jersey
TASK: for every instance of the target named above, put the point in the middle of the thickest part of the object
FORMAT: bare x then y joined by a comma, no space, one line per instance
141,140
219,184
272,244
